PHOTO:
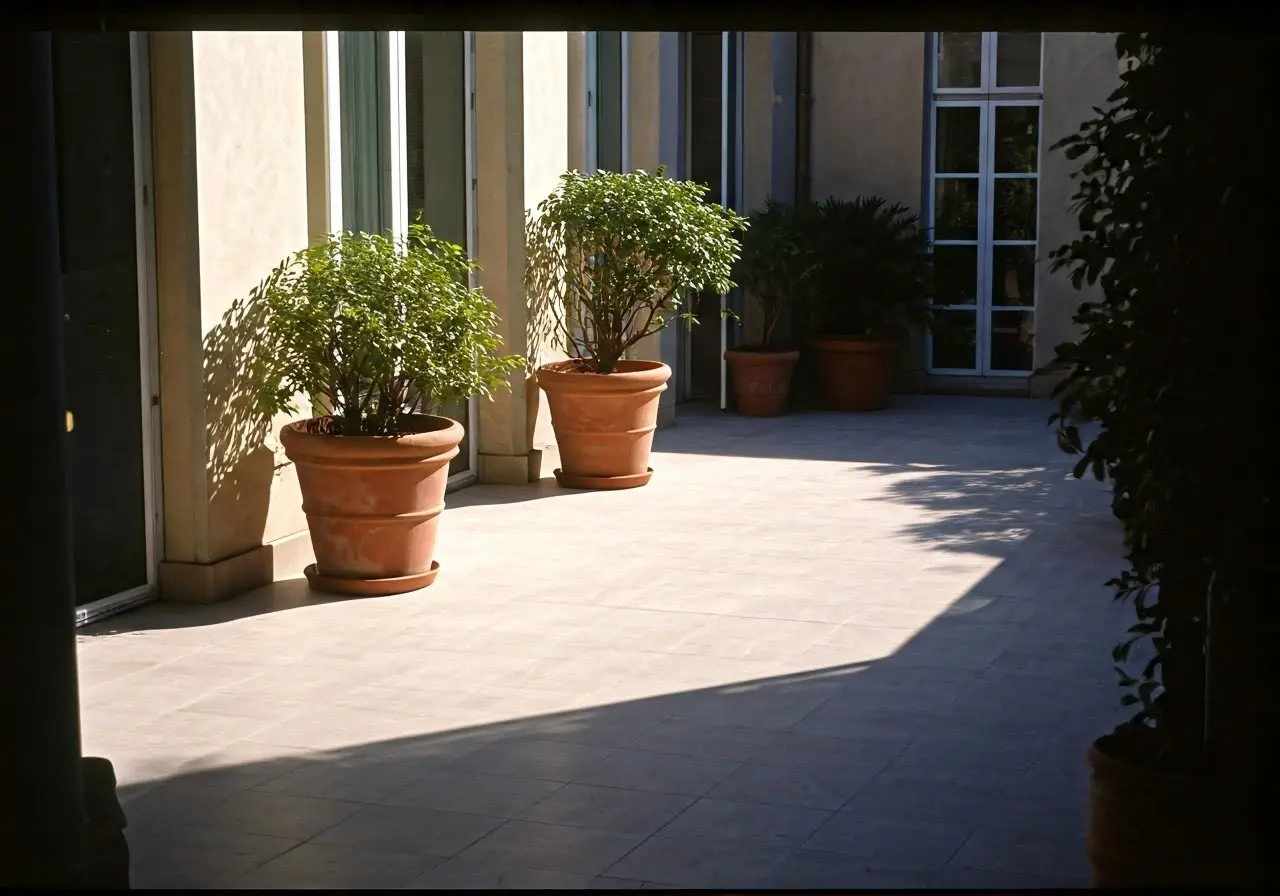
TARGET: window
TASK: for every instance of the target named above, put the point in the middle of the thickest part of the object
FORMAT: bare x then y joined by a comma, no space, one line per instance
983,200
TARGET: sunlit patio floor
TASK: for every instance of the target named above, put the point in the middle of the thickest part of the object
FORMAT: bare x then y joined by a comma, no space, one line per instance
821,650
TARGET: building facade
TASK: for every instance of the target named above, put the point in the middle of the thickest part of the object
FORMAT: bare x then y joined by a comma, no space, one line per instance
226,151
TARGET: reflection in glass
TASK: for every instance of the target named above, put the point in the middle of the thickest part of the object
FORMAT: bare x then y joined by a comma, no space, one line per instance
955,273
1012,340
959,62
958,143
1018,59
436,96
1017,139
1014,209
955,205
954,336
1013,275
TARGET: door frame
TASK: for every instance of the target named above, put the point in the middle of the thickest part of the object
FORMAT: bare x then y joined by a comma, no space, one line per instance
732,74
397,131
148,341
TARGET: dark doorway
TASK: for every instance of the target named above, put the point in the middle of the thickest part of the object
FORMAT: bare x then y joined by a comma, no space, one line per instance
93,109
706,112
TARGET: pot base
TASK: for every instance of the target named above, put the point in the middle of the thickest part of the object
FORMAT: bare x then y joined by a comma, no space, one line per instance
370,587
603,483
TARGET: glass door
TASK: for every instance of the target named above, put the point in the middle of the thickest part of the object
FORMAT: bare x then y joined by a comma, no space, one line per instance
983,205
103,165
407,148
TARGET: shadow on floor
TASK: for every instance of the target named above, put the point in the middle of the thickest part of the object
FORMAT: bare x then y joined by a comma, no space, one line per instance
954,761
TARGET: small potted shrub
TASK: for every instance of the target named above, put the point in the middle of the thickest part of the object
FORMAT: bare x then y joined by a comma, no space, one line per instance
609,258
373,330
771,269
869,283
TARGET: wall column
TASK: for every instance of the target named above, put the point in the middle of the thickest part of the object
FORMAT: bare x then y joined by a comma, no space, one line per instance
230,154
522,147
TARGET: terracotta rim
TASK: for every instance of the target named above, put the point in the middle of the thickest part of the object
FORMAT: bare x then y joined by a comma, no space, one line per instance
630,377
370,587
854,344
442,436
749,355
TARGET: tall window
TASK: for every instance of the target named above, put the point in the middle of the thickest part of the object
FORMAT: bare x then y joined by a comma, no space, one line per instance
984,168
606,102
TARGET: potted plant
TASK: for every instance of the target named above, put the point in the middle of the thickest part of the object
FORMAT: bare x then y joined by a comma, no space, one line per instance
771,269
373,330
1168,214
609,258
868,282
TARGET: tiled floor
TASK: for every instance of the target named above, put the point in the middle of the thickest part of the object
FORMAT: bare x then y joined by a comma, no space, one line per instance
823,650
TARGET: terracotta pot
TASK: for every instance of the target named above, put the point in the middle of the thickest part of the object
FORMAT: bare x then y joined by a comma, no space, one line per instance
373,503
604,423
1151,828
761,380
856,374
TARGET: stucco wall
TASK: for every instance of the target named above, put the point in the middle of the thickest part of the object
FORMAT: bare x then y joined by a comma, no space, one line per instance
757,148
868,114
1080,71
231,202
522,146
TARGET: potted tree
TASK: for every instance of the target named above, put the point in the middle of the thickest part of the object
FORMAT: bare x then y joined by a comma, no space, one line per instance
868,282
771,269
1168,212
373,330
609,258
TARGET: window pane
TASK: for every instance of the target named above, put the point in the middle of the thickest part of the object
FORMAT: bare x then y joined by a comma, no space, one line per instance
955,215
955,340
1012,338
958,140
436,96
955,275
609,100
1013,280
1014,208
365,180
1018,59
1017,139
959,61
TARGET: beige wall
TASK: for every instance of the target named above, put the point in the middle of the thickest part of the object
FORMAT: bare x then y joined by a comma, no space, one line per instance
757,149
231,201
868,114
1080,71
868,129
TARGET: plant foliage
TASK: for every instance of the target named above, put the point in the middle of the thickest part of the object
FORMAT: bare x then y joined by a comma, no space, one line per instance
1170,365
870,273
773,266
609,258
372,328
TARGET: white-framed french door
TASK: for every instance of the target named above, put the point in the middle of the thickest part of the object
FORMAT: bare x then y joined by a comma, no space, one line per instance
401,109
982,203
731,139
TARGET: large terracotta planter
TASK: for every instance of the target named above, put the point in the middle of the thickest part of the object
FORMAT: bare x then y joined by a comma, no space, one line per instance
373,503
856,374
761,380
604,423
1150,828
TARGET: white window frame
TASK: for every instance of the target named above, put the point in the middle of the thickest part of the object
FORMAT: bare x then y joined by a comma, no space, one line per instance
987,98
